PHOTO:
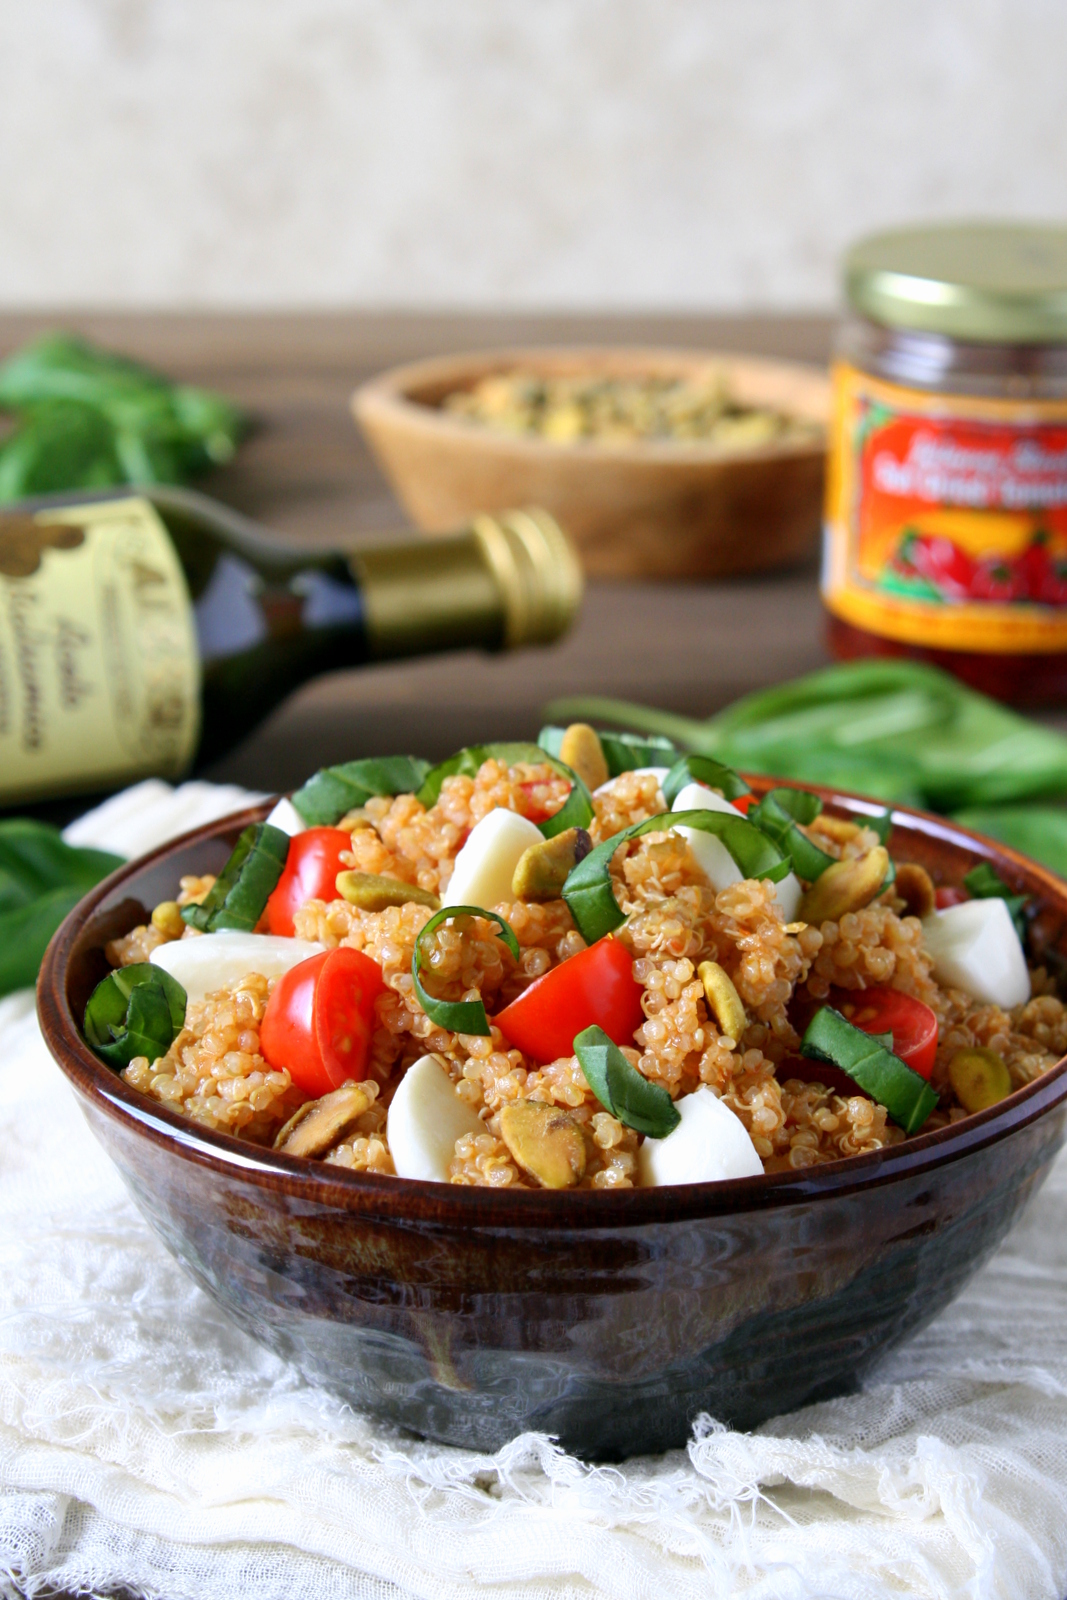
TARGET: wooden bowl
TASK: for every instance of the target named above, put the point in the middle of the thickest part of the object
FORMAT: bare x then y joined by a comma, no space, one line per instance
611,1320
643,510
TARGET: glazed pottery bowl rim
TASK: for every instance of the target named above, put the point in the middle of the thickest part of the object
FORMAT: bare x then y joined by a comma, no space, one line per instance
450,1204
392,393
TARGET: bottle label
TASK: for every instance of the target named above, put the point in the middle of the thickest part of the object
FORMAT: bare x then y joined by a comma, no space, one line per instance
946,517
99,674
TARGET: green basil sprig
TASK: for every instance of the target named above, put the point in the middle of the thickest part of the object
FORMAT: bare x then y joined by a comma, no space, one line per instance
982,883
706,770
459,1016
41,879
778,814
869,1060
621,1089
588,890
576,811
240,892
334,791
135,1011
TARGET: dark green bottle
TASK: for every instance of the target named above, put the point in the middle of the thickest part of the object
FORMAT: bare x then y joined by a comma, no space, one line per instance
143,632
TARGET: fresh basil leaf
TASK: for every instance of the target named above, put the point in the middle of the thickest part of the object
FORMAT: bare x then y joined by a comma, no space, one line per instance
869,1060
778,814
42,878
621,1089
240,893
459,1016
982,883
135,1011
706,770
25,932
588,890
880,823
576,811
626,752
334,791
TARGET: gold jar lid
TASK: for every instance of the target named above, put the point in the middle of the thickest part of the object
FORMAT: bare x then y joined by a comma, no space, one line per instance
992,282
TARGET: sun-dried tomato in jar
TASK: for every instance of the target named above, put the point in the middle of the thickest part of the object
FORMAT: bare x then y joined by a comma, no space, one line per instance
946,516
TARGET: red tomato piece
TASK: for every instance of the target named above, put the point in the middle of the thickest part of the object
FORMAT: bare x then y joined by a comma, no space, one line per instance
744,803
320,1018
311,869
595,986
884,1010
946,896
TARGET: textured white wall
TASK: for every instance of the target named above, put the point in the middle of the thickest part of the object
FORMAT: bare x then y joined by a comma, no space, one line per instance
631,153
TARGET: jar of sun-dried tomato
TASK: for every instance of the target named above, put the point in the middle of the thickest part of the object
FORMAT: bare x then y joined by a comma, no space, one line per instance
946,515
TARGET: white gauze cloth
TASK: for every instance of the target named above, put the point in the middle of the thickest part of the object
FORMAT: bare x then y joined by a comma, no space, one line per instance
147,1444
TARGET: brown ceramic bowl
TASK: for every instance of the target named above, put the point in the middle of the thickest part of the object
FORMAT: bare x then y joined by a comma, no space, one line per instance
645,510
610,1320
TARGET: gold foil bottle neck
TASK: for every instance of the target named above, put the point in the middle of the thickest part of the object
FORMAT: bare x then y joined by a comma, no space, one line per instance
539,574
509,579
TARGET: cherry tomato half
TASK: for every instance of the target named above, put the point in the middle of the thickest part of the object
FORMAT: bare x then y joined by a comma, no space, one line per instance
320,1018
311,869
595,986
744,803
884,1010
947,896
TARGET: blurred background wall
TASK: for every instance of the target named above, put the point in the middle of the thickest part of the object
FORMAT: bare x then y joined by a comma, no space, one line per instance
630,153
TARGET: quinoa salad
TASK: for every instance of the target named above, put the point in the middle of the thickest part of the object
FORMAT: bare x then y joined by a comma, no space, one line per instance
594,962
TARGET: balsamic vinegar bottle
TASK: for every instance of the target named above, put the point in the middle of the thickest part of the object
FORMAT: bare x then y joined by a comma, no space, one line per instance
143,631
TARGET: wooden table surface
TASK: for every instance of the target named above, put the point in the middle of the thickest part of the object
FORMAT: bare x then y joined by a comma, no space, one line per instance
692,647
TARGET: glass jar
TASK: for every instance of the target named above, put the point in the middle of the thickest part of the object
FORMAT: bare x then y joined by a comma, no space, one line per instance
946,516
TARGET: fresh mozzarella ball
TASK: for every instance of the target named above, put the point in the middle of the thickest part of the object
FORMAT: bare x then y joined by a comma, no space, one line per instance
486,864
659,773
708,1145
286,817
975,948
216,960
713,858
426,1117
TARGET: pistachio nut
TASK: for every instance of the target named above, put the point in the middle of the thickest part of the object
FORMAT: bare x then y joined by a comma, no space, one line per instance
371,892
545,1141
543,869
319,1124
724,1002
846,886
582,751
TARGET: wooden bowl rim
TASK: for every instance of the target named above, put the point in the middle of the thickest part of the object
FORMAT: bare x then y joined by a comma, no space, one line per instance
451,1205
386,399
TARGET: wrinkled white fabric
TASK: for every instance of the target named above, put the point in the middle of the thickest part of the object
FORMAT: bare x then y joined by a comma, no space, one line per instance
146,1443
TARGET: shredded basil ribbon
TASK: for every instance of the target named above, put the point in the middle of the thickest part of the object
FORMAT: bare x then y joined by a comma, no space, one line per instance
778,814
334,791
623,752
41,879
137,1010
240,892
459,1016
621,1089
868,1059
706,770
576,811
881,823
588,891
982,883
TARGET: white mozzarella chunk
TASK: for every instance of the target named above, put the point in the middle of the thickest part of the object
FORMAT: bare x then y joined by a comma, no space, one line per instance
713,858
709,1145
286,817
485,866
975,948
426,1117
216,960
659,773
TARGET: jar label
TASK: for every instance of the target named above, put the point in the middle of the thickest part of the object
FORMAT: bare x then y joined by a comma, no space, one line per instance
946,517
99,674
